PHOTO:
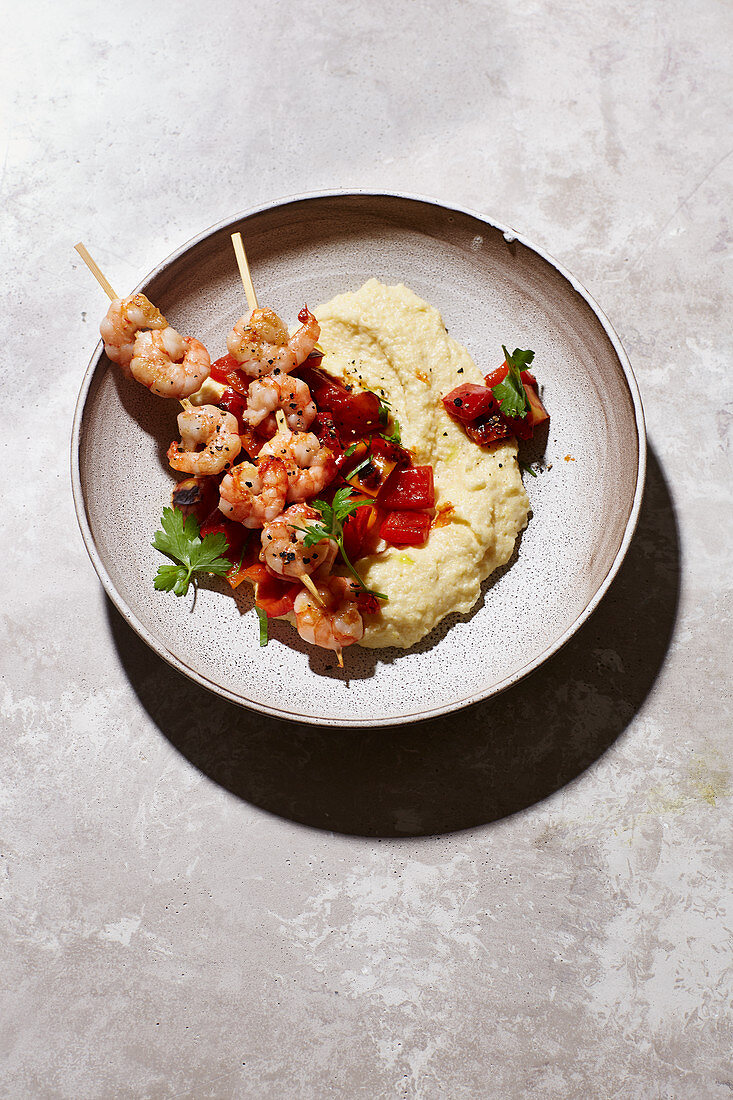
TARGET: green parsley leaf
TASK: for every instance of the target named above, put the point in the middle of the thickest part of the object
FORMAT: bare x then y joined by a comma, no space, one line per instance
350,450
395,436
180,539
510,393
526,468
262,616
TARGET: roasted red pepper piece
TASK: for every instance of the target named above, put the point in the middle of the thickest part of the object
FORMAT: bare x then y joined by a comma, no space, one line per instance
274,595
366,603
536,412
235,534
235,403
357,529
353,413
405,528
388,449
469,401
326,431
411,489
227,371
488,429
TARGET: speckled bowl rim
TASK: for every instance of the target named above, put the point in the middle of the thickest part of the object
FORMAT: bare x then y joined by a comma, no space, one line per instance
235,222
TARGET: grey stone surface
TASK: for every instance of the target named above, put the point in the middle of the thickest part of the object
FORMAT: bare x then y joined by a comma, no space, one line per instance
530,899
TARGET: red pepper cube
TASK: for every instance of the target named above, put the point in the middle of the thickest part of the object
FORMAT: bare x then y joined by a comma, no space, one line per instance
234,533
489,429
468,401
523,427
412,489
235,403
273,595
354,413
406,528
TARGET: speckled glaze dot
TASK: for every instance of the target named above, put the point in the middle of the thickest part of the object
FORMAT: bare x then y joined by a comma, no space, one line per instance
506,292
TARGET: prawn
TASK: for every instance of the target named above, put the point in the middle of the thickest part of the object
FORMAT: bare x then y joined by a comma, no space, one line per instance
310,466
261,344
335,624
282,544
208,427
125,318
254,495
169,364
280,391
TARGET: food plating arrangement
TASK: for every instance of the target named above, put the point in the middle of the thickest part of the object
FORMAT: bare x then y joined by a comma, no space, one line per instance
360,473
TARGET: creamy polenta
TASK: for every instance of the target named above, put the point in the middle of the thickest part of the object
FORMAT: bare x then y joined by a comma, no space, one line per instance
386,339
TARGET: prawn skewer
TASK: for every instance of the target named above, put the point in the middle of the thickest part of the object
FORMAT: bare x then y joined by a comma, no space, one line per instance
249,290
139,339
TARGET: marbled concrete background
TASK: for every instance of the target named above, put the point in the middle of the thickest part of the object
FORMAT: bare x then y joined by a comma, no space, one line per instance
531,899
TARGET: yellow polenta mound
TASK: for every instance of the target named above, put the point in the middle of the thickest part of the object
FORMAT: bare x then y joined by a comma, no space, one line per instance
386,339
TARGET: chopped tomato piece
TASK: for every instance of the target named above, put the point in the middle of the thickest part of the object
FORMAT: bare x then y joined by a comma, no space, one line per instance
274,595
406,528
469,401
411,489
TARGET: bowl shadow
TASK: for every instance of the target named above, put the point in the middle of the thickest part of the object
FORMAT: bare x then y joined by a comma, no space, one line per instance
458,771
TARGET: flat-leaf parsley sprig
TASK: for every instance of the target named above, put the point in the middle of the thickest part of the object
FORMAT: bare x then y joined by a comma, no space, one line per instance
180,540
332,527
510,393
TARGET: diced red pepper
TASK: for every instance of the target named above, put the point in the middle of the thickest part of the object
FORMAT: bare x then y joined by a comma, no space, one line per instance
488,429
274,595
388,449
235,403
366,603
411,489
251,441
227,371
325,429
196,496
523,427
520,426
235,533
354,413
537,411
357,529
496,376
370,475
469,401
406,528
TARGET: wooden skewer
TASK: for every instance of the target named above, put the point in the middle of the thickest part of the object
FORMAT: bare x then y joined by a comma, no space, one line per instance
308,582
96,272
244,271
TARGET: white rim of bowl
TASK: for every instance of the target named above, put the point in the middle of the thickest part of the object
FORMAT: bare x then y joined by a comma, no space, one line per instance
402,719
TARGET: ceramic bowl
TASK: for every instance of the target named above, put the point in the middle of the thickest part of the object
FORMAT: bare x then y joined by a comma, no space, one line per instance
492,288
